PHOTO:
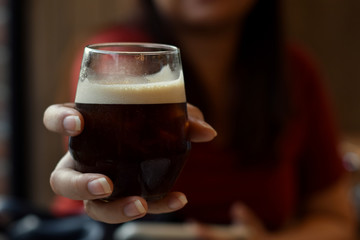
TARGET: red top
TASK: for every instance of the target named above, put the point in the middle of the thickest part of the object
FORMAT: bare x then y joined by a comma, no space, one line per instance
309,160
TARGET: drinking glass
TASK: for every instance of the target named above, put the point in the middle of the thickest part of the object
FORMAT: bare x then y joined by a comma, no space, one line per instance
132,98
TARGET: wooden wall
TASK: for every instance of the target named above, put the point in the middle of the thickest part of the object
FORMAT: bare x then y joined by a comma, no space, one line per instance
328,28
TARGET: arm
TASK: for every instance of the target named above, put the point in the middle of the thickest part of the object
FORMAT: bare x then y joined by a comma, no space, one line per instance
325,203
65,181
329,214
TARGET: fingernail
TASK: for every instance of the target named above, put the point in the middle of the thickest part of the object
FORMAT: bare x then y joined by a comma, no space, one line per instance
176,203
99,186
72,123
134,209
208,126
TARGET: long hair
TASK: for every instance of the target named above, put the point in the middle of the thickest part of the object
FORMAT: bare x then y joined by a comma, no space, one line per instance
261,104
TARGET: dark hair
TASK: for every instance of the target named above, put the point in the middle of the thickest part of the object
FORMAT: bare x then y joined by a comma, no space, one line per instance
262,105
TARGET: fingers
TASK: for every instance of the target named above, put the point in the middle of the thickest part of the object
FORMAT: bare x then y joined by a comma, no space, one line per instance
215,232
65,181
64,119
172,202
121,210
129,208
200,131
242,215
203,231
69,183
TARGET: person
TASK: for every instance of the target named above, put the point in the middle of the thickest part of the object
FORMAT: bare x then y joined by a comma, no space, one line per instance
274,165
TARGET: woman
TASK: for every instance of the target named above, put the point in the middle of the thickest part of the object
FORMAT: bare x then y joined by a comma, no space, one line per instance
273,167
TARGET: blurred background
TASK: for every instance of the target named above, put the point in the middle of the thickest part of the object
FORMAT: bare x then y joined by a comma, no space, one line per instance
38,39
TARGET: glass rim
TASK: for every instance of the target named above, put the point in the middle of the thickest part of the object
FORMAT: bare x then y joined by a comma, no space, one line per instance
153,48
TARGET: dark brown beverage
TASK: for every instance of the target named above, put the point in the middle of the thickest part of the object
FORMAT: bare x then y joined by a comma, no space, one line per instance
132,98
141,147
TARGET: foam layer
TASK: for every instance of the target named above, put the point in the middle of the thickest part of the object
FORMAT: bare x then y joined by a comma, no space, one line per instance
156,90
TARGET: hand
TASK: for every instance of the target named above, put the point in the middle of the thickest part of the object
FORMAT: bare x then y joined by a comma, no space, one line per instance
65,181
245,226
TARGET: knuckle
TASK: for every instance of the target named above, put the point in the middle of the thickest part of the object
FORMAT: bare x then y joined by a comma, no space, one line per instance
89,210
96,213
192,107
48,118
195,112
53,182
78,184
54,116
45,115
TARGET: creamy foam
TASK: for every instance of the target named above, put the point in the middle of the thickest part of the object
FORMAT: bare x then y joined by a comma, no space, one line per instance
158,89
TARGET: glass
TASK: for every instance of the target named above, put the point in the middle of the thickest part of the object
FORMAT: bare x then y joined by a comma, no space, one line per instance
132,98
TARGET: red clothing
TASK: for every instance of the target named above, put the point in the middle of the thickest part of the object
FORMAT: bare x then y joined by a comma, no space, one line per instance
308,162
